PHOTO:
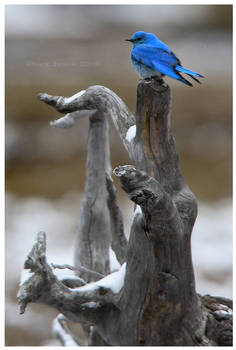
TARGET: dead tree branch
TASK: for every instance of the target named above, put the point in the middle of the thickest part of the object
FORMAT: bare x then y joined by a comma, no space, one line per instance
83,304
63,333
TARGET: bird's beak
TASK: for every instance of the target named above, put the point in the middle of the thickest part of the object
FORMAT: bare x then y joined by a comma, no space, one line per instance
131,40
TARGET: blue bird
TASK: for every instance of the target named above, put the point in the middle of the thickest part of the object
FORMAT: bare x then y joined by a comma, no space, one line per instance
151,57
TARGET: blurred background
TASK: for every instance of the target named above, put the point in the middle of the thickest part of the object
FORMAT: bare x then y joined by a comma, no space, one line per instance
63,49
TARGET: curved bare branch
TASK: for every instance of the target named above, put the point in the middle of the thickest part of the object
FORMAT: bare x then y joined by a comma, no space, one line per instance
82,304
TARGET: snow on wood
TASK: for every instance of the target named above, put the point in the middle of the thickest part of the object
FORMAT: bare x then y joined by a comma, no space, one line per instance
91,305
113,281
74,97
130,135
114,263
223,307
61,332
223,315
138,210
223,312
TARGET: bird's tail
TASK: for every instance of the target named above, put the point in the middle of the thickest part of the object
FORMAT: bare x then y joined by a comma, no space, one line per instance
185,81
190,73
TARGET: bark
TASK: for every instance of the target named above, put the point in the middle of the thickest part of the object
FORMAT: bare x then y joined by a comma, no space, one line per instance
152,300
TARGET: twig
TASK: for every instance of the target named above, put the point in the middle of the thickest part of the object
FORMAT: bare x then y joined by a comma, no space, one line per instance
91,275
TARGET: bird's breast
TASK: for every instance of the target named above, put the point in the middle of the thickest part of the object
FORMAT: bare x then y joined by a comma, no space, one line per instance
142,70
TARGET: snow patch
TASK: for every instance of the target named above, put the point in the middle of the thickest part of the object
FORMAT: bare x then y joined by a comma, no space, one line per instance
65,276
91,305
114,282
58,329
114,263
138,210
212,248
130,135
224,314
223,311
74,97
223,307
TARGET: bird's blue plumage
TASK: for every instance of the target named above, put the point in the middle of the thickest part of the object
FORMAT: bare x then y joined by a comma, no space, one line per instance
151,57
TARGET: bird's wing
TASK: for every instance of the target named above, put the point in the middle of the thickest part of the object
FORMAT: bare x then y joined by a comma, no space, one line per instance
156,58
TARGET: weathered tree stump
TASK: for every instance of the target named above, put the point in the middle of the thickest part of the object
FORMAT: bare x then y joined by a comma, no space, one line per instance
152,299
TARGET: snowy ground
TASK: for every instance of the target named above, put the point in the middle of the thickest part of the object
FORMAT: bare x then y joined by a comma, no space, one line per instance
211,245
212,248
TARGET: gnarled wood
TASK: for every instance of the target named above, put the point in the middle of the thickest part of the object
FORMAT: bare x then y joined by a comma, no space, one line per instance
170,311
152,300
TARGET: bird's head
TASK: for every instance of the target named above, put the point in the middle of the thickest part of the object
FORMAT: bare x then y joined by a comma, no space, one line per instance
142,38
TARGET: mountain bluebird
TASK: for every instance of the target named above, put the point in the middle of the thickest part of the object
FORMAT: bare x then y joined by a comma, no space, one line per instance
151,57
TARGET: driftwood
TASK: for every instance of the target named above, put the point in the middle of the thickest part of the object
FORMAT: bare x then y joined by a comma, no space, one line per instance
152,299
